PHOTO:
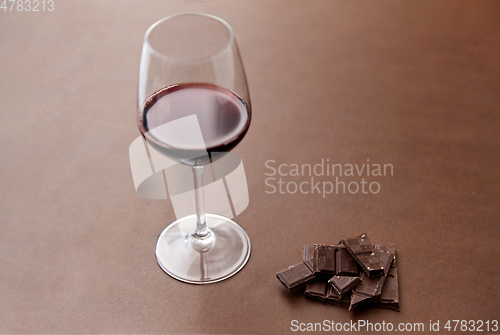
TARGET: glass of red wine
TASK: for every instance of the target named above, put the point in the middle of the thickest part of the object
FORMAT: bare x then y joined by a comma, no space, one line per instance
191,66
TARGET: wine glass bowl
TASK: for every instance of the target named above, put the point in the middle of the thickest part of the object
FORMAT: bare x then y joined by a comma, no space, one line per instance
193,106
223,118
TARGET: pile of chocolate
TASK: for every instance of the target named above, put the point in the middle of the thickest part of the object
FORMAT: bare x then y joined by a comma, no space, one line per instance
351,274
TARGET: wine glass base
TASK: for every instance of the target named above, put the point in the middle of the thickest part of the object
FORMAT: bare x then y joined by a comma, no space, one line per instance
177,256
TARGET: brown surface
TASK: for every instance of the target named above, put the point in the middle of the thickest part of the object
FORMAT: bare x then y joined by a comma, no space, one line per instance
411,83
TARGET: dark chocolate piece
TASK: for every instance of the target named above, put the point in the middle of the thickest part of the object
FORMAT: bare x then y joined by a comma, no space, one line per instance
325,256
362,250
390,292
331,298
371,288
322,291
386,258
345,264
389,297
343,285
389,248
309,258
330,259
295,276
316,290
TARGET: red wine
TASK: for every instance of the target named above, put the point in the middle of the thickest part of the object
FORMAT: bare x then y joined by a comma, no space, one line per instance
222,115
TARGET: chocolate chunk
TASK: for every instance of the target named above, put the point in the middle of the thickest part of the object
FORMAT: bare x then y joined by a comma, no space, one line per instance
362,250
330,259
343,285
295,276
309,258
389,297
345,264
316,290
325,256
320,258
331,298
322,291
390,292
386,258
389,248
371,288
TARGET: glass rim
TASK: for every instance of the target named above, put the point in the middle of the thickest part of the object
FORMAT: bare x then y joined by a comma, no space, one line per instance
162,55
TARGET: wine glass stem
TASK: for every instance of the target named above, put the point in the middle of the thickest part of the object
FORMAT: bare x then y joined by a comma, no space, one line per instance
201,223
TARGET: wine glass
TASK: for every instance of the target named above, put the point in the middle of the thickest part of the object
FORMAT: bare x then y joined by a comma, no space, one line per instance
193,105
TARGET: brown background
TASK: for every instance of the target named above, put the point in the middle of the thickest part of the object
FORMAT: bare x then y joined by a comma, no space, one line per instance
412,83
